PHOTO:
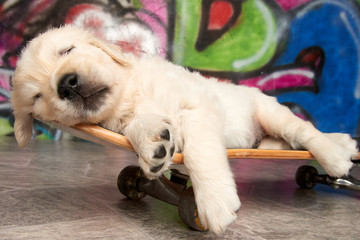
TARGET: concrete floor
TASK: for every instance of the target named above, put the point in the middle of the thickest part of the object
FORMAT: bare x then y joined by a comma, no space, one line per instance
67,190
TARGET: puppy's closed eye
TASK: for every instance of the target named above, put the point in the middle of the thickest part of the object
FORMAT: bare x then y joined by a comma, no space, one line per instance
66,50
37,96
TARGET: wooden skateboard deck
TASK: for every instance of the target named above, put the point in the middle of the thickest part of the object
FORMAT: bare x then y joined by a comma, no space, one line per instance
103,136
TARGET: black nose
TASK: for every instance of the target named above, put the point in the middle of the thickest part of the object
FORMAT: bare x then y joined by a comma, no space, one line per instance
68,86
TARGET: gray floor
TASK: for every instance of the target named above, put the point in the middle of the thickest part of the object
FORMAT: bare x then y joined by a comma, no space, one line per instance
67,190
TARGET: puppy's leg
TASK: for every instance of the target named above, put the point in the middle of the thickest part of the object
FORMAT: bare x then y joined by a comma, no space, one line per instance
152,137
278,121
204,157
206,162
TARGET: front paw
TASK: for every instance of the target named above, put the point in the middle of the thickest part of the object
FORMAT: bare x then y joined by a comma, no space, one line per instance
217,210
158,160
156,151
152,138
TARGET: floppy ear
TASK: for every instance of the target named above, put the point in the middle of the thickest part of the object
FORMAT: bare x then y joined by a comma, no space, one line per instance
112,50
23,128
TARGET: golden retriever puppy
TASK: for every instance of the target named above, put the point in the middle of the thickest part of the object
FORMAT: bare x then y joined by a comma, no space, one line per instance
69,76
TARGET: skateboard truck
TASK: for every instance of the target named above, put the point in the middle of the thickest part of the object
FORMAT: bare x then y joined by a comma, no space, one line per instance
134,185
308,177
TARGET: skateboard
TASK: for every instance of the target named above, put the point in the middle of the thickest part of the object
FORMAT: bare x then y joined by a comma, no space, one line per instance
175,187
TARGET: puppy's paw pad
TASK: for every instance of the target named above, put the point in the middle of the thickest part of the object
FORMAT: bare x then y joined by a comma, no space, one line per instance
172,150
165,135
160,152
157,168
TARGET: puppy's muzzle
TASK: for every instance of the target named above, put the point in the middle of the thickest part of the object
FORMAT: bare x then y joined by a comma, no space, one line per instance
68,86
82,94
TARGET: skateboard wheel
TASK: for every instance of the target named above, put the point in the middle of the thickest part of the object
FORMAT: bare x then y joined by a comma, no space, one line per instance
306,176
127,182
188,211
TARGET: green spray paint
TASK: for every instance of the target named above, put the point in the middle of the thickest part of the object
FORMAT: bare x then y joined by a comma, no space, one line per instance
247,46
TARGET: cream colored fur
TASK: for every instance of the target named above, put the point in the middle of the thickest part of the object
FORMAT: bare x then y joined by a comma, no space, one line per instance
149,95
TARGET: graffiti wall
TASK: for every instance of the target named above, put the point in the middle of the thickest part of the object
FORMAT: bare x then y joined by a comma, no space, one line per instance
304,52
